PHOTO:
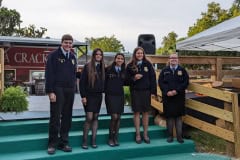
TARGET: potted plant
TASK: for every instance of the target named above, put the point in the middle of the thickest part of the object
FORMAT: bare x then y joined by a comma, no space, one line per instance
14,99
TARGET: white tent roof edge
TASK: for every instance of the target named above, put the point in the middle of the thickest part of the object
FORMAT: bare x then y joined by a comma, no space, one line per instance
211,38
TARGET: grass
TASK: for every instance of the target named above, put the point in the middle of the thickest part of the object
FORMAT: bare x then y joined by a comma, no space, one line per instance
208,143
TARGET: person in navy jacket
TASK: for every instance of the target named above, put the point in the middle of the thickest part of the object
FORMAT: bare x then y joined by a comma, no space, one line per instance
173,81
114,95
60,78
91,90
142,79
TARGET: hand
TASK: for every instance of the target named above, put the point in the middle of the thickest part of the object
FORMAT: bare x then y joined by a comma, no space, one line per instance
138,76
52,97
170,94
84,101
174,92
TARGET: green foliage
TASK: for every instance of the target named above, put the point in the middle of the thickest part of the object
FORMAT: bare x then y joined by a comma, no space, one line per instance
127,96
10,25
9,21
169,44
31,31
107,44
208,143
213,16
14,99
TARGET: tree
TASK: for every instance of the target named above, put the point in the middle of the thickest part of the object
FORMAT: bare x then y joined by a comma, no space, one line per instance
212,17
169,44
235,9
9,21
107,44
10,25
31,31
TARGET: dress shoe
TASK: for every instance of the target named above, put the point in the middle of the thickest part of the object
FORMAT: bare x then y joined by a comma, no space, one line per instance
84,146
180,140
147,140
116,142
138,140
51,150
170,139
94,146
65,148
111,143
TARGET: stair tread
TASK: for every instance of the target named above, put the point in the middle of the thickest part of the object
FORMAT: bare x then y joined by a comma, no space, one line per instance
12,138
185,156
27,122
124,146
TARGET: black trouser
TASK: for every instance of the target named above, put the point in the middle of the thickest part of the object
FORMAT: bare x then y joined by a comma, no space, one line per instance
61,116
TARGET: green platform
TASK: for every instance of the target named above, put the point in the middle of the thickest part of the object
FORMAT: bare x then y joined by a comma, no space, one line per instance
28,140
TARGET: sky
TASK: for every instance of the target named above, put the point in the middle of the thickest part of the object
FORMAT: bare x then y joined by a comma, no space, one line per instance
125,19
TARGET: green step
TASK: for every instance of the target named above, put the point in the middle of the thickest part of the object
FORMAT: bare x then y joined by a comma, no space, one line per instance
126,150
41,126
185,156
21,143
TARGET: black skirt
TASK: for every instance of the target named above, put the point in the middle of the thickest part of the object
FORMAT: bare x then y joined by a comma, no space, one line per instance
174,106
140,101
94,103
114,104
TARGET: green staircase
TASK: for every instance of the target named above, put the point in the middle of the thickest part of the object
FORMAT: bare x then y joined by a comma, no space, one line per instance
27,139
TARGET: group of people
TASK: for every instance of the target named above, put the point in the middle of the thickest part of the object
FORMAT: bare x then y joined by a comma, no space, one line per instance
96,79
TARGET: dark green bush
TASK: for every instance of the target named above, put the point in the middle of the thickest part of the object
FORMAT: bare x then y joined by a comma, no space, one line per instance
14,99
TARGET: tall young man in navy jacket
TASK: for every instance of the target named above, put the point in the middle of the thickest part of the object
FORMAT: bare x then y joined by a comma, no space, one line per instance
60,86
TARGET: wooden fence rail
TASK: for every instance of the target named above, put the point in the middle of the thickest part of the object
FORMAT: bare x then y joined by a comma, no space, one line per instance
216,70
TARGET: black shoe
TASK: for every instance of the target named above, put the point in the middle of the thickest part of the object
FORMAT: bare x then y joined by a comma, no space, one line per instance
180,140
51,150
147,140
111,143
170,139
84,146
65,148
94,146
116,142
138,140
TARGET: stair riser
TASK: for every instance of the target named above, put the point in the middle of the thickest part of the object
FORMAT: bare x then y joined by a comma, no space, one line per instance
75,141
33,128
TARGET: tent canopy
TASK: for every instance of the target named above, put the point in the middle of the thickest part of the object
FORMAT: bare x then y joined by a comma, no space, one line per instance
222,37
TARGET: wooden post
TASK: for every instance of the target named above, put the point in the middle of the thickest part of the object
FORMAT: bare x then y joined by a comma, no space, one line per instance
214,68
229,126
1,70
236,124
219,69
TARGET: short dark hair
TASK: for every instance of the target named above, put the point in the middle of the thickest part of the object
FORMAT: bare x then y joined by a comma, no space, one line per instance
67,37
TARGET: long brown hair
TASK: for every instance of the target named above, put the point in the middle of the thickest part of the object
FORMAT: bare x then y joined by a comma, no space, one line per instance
92,67
134,59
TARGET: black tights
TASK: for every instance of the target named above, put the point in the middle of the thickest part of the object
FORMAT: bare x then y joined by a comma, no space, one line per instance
90,121
178,125
114,127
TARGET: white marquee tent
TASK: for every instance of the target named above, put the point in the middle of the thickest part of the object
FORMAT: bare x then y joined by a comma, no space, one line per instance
222,37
